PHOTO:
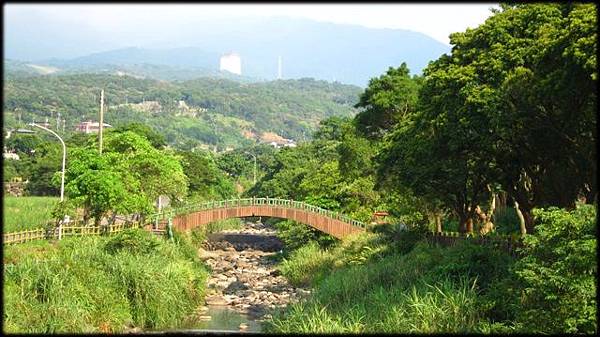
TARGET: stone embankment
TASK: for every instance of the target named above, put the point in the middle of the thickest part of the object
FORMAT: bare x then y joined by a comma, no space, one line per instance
244,277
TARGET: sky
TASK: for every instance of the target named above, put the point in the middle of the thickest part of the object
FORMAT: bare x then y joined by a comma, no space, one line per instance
435,20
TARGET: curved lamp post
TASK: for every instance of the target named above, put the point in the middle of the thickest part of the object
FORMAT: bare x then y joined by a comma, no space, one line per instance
62,179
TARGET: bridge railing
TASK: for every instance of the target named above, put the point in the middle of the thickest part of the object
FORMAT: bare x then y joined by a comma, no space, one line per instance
256,202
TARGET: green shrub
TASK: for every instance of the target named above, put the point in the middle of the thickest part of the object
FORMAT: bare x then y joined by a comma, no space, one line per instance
403,240
468,259
295,235
559,271
133,240
506,220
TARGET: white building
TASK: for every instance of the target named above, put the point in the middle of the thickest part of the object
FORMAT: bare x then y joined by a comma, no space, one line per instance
232,63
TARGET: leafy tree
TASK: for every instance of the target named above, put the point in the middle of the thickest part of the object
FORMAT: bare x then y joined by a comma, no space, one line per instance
331,128
386,100
487,115
9,170
559,271
555,85
127,177
205,179
97,183
22,144
156,139
159,172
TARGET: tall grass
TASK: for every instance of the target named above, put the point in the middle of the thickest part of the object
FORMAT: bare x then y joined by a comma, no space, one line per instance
306,264
97,284
362,287
22,213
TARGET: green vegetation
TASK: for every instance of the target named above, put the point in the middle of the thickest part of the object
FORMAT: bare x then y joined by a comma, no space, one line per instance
469,146
216,111
128,177
558,271
498,137
377,283
464,141
21,213
486,114
100,284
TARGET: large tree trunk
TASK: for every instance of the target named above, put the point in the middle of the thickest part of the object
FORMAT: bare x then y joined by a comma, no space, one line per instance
469,225
462,222
523,196
486,218
86,216
528,220
438,222
522,225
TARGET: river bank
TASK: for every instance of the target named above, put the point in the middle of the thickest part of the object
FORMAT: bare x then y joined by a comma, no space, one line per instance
244,279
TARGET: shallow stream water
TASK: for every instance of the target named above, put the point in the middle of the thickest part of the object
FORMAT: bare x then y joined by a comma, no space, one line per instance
224,318
244,287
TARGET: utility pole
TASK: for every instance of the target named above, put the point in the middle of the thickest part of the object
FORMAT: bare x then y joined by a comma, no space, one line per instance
254,166
101,119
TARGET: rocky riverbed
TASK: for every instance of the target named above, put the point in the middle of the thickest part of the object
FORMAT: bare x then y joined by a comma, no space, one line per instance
244,277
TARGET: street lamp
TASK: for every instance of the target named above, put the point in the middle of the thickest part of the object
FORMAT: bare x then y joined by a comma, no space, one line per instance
62,180
254,165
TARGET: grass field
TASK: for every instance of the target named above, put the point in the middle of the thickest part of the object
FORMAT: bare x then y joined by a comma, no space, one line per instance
21,213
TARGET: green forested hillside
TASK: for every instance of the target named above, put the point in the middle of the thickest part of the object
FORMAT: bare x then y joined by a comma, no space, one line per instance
207,110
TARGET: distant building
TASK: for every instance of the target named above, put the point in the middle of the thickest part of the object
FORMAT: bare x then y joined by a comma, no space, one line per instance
232,63
11,155
283,143
90,127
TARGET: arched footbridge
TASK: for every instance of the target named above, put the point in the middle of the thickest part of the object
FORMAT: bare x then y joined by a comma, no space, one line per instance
333,223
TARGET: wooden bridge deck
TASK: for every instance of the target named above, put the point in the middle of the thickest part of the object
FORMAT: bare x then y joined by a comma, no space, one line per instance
333,223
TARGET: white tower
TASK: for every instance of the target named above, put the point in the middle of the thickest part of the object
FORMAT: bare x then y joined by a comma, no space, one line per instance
279,68
232,63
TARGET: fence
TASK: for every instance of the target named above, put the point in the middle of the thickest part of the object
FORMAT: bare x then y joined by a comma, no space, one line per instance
508,243
72,230
25,236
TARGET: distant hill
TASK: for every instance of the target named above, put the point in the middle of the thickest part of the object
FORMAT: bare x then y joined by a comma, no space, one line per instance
20,68
209,111
138,70
347,53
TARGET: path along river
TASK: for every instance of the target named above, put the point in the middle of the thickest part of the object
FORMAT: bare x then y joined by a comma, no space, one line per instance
244,287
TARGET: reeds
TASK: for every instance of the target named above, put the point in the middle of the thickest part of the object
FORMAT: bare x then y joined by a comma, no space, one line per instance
88,285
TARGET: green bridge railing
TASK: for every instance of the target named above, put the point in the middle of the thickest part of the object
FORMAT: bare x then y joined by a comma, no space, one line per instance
255,202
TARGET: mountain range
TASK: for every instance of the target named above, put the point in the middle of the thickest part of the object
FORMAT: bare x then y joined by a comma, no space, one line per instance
345,53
